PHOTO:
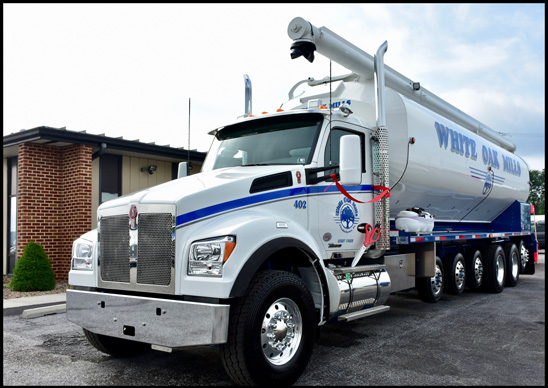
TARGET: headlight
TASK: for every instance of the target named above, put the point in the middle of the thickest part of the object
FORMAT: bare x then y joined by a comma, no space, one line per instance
82,255
208,256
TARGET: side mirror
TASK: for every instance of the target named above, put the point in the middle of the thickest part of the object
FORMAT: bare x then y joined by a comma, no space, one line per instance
350,164
183,170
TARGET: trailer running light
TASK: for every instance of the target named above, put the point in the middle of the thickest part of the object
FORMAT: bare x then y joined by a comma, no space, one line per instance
208,256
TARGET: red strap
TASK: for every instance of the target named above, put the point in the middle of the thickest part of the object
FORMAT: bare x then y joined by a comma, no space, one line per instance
385,191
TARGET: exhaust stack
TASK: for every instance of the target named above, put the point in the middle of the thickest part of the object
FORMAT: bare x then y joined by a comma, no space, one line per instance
247,111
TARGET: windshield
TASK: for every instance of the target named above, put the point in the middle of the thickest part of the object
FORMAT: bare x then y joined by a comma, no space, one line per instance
287,139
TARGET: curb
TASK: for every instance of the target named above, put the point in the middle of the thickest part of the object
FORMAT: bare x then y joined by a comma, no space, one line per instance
42,311
18,305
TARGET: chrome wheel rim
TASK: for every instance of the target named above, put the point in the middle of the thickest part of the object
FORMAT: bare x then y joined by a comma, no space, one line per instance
515,264
459,275
478,270
281,331
524,256
437,282
499,262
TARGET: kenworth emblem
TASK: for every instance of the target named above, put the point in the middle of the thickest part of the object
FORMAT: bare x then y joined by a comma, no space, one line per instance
133,217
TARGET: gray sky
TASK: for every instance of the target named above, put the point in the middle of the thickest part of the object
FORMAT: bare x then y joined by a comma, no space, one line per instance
129,69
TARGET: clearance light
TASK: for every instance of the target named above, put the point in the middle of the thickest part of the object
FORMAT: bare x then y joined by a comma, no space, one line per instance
323,107
279,110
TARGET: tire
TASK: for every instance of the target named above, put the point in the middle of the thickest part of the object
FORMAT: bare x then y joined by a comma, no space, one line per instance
271,331
495,273
454,274
431,289
512,264
474,269
523,256
116,347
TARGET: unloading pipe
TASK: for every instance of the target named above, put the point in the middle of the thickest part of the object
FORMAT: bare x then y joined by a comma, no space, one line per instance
310,38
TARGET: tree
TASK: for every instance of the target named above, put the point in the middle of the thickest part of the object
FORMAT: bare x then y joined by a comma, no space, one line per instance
537,192
33,271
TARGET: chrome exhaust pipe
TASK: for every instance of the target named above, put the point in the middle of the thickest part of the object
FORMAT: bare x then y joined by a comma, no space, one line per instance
247,96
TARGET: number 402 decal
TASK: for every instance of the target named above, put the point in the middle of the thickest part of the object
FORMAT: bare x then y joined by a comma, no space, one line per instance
300,204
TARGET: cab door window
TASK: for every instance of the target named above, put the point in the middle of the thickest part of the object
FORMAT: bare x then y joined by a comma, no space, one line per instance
332,148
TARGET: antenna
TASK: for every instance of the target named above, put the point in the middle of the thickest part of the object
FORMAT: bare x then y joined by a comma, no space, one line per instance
188,148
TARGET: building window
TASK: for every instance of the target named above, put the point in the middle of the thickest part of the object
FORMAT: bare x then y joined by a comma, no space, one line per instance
12,214
110,177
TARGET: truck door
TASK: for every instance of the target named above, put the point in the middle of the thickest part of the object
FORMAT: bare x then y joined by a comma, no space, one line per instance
333,216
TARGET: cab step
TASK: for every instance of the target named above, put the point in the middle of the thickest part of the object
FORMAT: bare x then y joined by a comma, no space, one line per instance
361,268
363,313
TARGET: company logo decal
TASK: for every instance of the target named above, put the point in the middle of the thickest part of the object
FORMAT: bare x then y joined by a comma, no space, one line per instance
346,215
488,177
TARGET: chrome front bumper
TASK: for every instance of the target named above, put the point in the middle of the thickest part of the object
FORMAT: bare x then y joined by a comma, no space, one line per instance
164,322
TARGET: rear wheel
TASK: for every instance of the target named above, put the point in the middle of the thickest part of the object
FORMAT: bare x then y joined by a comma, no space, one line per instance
474,269
271,331
431,289
512,265
454,274
523,256
495,274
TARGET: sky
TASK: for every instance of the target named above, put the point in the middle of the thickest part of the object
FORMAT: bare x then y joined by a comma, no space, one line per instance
133,70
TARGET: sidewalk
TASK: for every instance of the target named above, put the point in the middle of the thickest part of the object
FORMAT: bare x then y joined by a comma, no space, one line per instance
41,305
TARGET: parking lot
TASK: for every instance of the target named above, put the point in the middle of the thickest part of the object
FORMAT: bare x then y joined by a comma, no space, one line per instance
471,339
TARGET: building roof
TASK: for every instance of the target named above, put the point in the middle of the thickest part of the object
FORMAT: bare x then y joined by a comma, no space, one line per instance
61,137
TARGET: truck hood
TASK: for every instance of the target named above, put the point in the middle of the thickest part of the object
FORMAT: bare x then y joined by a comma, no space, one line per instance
216,191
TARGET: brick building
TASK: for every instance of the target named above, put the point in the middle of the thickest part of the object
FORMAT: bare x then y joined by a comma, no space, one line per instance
54,180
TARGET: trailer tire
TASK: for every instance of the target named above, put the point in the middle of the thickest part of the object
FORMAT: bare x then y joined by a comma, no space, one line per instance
258,354
455,274
512,264
495,273
474,269
116,347
523,256
431,289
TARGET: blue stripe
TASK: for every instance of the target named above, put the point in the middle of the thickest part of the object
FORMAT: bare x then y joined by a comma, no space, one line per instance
266,197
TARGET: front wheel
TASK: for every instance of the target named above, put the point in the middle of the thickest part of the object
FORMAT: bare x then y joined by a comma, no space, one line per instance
271,331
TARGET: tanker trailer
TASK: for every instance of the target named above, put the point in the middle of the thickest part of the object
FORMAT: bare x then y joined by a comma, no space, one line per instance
457,189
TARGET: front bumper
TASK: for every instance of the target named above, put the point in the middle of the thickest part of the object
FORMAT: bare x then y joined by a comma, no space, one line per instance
164,322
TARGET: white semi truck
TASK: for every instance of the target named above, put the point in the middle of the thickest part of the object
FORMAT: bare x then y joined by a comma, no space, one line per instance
305,217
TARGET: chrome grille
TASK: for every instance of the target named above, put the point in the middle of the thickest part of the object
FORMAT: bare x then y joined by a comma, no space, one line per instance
137,259
115,249
156,250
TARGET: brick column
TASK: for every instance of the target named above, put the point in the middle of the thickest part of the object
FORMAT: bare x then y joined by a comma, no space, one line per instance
53,200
